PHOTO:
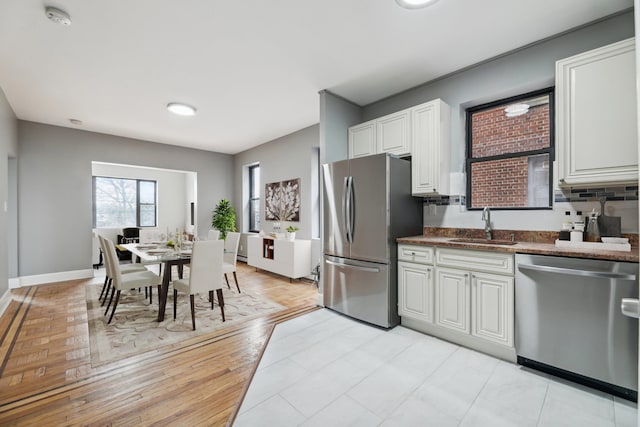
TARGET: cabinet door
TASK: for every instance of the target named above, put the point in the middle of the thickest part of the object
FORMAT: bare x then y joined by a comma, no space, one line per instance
392,133
492,307
452,299
430,160
362,139
415,291
596,116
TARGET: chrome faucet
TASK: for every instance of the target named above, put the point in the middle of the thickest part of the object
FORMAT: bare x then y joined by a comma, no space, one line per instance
486,217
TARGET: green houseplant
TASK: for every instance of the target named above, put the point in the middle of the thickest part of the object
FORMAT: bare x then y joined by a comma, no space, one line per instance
291,232
223,218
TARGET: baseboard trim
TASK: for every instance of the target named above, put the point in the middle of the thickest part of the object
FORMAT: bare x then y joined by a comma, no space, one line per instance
5,299
14,283
61,276
466,340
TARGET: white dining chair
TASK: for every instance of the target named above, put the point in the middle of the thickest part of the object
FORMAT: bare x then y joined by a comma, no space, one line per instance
213,234
231,257
205,275
108,278
130,280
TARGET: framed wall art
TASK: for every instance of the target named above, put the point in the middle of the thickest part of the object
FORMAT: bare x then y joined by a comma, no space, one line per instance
282,200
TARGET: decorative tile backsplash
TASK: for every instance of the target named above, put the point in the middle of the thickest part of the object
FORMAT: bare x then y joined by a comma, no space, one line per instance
445,200
629,192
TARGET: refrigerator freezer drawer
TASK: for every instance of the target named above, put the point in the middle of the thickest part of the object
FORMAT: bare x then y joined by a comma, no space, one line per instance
362,290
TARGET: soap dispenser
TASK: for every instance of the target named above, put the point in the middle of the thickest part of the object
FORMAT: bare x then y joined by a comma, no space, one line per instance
593,232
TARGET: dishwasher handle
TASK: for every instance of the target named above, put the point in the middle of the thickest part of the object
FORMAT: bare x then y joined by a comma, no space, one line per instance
574,272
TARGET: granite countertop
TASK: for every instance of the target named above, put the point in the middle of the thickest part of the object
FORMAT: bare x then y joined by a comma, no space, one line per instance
528,242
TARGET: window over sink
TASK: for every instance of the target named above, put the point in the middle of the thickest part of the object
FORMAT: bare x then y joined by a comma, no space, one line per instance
510,150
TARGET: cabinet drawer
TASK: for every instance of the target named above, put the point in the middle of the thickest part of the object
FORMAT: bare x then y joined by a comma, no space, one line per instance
491,262
413,253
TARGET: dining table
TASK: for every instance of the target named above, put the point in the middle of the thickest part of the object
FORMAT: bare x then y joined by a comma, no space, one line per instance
160,253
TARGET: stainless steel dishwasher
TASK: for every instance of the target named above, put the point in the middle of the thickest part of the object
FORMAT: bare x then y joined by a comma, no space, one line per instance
569,322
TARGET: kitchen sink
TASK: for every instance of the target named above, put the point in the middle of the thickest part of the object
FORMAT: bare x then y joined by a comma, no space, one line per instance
483,241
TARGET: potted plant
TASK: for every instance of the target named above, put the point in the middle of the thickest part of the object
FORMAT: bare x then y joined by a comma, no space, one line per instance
223,218
291,232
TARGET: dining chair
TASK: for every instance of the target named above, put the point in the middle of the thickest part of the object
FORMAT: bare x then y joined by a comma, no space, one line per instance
213,234
131,280
205,276
231,257
124,269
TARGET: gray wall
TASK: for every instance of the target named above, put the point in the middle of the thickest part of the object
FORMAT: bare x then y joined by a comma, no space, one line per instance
284,158
336,116
518,72
513,74
8,148
55,194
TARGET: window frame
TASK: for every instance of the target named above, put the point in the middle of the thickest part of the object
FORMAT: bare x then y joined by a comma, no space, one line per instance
138,202
469,161
253,227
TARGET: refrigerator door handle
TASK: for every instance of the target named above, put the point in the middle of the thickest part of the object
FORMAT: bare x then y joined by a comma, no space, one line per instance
355,267
345,194
352,210
348,199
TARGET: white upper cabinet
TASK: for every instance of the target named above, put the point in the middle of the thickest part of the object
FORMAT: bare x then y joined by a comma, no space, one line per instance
430,161
596,129
362,139
393,133
388,134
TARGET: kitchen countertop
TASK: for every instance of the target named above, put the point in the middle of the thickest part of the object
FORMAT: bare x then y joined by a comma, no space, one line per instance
535,242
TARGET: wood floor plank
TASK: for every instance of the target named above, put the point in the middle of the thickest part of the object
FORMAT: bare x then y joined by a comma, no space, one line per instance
47,377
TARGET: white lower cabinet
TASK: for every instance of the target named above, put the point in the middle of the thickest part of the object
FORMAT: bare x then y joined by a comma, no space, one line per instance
415,282
466,296
492,307
452,299
415,297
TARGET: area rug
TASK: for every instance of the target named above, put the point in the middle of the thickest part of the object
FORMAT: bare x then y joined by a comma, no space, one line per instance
135,329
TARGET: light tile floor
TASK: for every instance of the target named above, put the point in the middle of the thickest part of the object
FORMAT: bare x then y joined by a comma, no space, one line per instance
324,369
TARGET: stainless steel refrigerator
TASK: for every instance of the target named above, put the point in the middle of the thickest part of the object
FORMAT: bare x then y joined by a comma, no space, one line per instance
367,206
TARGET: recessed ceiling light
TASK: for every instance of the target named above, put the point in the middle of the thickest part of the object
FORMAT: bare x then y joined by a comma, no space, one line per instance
415,4
57,16
75,122
181,109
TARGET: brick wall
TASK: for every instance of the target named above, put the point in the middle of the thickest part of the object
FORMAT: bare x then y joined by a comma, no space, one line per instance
500,183
504,183
494,133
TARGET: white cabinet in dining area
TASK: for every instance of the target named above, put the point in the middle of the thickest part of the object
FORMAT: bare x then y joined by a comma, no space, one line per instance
596,117
291,258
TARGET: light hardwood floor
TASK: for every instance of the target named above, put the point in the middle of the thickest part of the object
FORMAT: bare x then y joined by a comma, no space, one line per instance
46,377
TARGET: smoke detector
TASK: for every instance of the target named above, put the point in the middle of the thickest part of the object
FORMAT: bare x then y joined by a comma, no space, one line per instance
58,16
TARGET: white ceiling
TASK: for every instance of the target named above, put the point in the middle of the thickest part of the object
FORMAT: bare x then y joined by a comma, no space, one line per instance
253,69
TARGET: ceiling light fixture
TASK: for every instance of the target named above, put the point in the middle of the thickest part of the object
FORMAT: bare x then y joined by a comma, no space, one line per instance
75,122
57,16
515,110
181,109
415,4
